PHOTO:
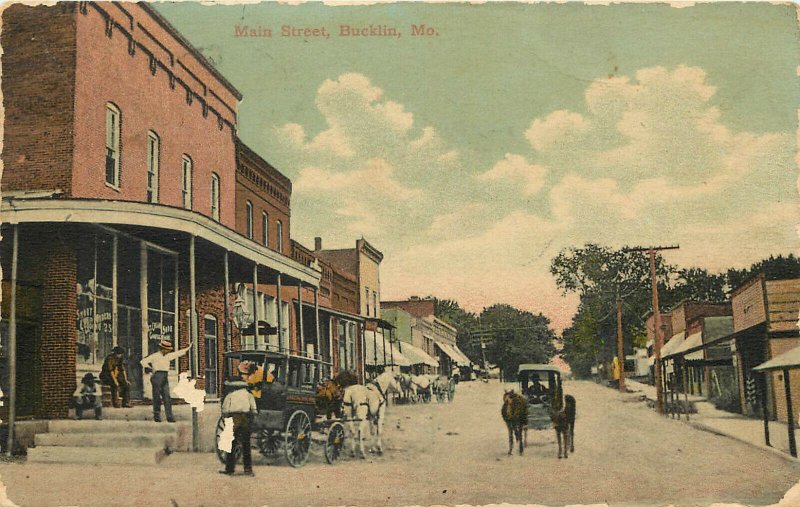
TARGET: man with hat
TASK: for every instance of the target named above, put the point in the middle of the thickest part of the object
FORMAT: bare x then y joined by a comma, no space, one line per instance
240,406
115,376
158,363
89,394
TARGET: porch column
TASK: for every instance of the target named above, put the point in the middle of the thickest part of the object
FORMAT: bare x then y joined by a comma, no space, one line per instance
316,322
280,316
764,407
12,343
193,367
301,342
374,350
227,295
255,306
391,350
193,336
383,336
789,412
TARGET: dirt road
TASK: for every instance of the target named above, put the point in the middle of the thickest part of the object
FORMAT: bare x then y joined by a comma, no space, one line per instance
454,454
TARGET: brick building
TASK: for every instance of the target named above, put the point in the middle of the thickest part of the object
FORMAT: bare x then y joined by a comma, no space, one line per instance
432,335
120,182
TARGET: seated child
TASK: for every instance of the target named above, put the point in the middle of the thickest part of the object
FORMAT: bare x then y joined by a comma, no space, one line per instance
89,394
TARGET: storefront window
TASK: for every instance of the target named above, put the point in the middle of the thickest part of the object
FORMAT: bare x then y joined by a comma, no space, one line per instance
351,345
160,299
94,299
343,365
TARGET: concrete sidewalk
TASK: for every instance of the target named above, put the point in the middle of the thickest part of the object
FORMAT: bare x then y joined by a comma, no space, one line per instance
736,426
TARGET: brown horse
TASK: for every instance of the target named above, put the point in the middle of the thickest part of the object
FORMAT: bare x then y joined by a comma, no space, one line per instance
515,415
564,422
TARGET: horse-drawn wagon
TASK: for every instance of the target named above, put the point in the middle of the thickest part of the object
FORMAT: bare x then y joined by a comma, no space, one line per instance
284,387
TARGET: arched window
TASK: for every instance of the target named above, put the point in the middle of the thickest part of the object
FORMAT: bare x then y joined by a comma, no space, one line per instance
153,156
215,196
186,181
279,230
265,228
113,131
249,219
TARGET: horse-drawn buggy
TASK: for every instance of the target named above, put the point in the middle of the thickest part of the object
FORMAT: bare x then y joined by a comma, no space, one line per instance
284,387
539,384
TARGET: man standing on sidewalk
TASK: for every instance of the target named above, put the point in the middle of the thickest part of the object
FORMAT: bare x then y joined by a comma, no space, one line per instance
158,363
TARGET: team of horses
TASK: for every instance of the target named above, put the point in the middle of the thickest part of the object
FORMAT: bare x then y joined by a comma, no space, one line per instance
514,412
363,406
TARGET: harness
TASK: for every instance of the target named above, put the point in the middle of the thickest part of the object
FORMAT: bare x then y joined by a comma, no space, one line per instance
381,402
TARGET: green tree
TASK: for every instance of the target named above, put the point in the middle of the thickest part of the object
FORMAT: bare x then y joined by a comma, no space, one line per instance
774,268
516,337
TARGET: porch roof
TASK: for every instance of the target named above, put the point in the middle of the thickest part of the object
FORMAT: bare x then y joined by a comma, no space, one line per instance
18,210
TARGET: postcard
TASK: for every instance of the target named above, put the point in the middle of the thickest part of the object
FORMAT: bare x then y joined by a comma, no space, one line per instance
399,253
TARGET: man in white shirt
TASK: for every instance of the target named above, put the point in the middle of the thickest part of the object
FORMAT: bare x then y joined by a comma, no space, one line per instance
240,405
159,362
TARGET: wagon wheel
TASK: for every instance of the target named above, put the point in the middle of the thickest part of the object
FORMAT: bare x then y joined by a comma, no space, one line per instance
451,394
268,444
297,439
222,455
335,443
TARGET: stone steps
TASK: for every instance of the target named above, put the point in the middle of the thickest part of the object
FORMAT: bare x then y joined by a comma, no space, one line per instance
93,455
109,442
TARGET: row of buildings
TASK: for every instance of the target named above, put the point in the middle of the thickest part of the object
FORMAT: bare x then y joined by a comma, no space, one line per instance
133,213
710,350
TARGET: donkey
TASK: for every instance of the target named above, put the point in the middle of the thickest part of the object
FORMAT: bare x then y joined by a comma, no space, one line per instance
515,415
564,423
366,407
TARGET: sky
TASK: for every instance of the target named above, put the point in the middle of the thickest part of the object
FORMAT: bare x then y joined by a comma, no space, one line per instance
471,156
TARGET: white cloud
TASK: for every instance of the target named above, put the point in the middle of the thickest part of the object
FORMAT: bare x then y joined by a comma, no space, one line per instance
516,168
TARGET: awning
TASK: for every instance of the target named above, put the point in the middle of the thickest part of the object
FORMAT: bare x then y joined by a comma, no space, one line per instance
418,356
455,355
694,340
465,361
672,345
391,353
785,361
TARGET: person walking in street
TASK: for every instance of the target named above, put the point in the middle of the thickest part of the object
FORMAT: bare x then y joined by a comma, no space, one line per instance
115,376
158,363
240,405
89,394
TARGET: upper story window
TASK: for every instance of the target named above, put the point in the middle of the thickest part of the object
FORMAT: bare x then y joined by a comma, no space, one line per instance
215,196
265,229
279,230
375,303
113,119
367,300
249,219
186,182
153,155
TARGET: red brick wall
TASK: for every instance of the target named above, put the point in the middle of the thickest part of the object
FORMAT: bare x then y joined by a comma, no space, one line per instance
168,102
38,87
421,308
247,190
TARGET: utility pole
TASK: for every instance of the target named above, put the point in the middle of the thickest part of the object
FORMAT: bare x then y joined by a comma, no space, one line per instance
659,338
620,348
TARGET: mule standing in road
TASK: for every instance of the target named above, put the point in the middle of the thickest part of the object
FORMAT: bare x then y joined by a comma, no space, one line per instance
364,408
515,415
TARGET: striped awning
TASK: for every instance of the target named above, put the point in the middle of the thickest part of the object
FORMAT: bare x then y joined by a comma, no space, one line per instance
374,356
452,351
418,356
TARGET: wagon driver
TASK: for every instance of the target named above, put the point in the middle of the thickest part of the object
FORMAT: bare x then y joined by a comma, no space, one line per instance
158,362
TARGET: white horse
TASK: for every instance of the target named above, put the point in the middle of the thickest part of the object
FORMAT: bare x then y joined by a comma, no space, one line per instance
422,385
408,387
366,406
